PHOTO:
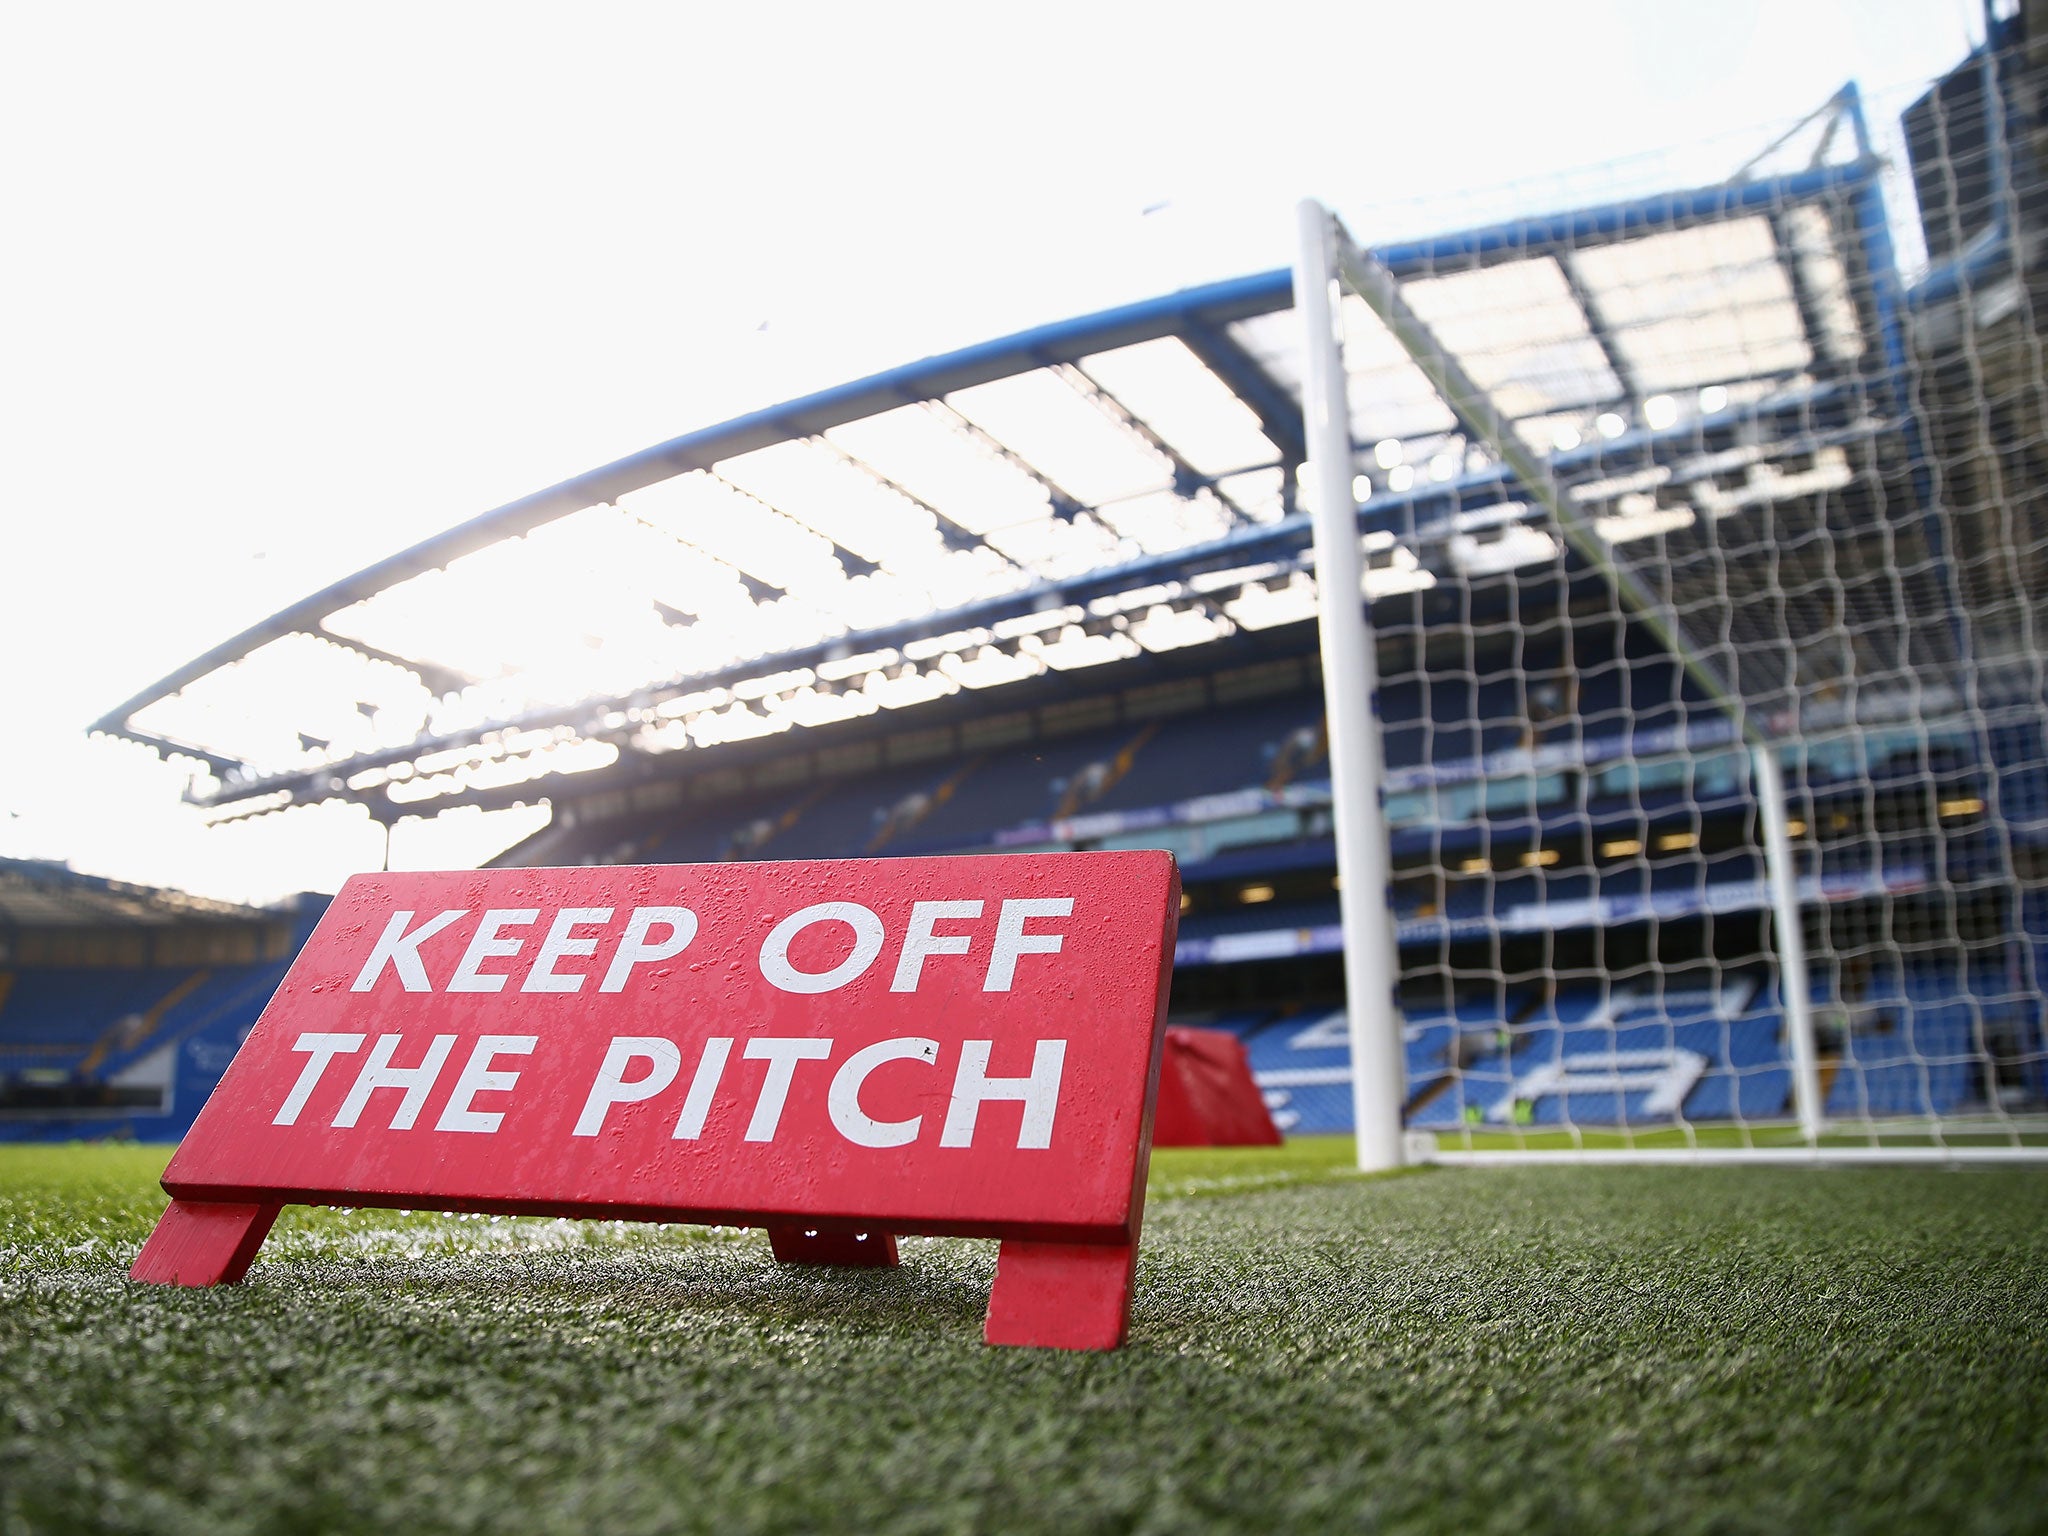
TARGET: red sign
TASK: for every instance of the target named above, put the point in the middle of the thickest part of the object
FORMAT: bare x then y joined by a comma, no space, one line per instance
1207,1095
838,1051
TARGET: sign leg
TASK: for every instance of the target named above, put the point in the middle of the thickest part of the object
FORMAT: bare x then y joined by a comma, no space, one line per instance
1061,1295
796,1245
202,1242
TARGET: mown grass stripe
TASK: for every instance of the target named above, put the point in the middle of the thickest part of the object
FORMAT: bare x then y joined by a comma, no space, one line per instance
1538,1349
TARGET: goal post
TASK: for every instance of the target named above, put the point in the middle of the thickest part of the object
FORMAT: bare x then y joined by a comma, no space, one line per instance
1364,875
1788,939
1689,745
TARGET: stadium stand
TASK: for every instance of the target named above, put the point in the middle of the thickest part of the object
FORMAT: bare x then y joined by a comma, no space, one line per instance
1125,656
121,1006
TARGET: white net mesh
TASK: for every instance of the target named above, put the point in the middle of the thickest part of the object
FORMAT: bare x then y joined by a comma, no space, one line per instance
1783,504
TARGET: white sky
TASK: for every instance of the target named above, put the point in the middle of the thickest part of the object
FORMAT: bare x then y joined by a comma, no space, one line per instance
283,290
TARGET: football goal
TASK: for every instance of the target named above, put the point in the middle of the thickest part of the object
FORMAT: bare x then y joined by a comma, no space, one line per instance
1704,559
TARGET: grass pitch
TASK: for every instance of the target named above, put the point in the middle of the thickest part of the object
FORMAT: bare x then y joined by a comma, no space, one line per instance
1513,1350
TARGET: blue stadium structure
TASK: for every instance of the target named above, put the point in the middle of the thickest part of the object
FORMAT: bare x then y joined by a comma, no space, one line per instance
1057,591
121,1006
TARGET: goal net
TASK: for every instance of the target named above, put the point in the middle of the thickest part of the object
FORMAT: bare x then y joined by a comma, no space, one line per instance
1706,557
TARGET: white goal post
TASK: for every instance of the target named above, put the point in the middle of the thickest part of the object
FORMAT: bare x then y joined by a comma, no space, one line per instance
1684,778
1350,681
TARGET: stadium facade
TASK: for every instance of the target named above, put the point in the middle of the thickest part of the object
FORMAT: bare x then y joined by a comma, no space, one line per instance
1057,591
121,1005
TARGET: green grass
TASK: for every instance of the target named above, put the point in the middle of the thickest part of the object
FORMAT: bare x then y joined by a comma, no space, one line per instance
1578,1349
1889,1134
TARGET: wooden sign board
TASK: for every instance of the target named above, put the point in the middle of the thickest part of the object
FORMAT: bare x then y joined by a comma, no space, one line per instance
839,1051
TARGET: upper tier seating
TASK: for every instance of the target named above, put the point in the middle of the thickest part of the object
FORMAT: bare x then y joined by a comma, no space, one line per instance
98,1021
964,801
92,1053
54,1017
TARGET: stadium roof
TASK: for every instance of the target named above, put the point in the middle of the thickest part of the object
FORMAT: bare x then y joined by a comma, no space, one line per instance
37,894
1115,485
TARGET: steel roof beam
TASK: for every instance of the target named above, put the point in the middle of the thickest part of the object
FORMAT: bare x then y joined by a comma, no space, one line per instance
956,536
758,590
438,679
1519,239
1216,303
1278,412
1836,109
1425,511
851,562
164,746
1065,505
1186,478
1596,322
1803,300
1198,315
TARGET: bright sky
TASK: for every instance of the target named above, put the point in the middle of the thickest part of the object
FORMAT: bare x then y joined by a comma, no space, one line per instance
286,289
